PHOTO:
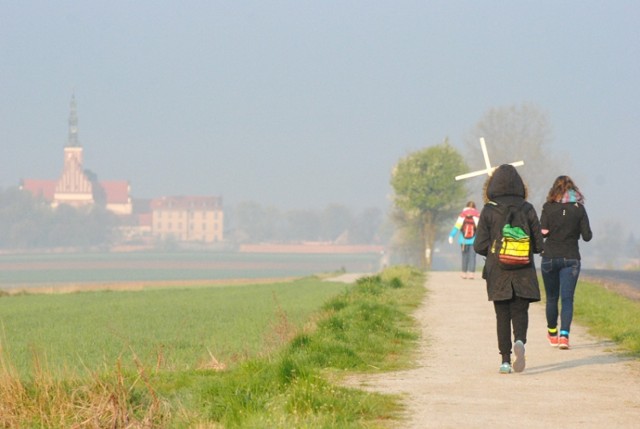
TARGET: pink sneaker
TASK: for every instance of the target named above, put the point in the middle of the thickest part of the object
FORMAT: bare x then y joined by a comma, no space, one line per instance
553,340
563,343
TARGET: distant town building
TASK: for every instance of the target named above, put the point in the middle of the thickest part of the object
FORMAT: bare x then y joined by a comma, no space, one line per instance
184,218
198,219
74,187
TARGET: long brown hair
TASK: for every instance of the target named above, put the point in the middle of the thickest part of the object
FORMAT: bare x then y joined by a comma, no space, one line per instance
560,186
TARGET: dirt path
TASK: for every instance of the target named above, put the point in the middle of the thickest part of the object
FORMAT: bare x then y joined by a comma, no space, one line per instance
457,385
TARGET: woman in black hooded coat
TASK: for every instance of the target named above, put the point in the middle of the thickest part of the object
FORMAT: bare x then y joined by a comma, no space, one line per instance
511,290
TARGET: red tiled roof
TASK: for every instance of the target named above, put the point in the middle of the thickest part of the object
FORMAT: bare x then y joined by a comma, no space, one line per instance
117,191
40,188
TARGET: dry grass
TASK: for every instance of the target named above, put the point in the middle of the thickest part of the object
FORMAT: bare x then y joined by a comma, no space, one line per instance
280,331
137,285
213,363
113,401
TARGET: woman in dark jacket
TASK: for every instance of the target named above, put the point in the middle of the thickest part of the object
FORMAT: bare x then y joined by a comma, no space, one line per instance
563,219
511,290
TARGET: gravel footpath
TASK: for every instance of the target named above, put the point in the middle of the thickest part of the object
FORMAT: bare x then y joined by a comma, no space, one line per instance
457,385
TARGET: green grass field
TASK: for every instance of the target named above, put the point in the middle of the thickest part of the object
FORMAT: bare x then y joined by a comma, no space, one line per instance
177,327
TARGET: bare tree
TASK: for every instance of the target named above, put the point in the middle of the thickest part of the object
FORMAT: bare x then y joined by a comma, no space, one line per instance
516,133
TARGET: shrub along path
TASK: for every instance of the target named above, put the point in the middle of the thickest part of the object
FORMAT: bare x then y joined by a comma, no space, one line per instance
457,384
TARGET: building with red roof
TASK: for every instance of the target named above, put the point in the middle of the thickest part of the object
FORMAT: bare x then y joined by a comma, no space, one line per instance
184,218
73,187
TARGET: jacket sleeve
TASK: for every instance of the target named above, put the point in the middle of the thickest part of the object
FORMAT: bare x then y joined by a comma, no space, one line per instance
456,227
543,221
482,243
585,228
536,231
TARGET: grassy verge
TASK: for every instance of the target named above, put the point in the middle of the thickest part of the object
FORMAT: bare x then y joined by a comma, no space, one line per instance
366,328
609,315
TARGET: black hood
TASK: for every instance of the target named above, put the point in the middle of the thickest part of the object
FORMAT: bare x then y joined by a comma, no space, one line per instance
505,181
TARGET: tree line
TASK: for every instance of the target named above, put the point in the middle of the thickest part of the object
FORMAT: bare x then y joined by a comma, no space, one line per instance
251,222
27,222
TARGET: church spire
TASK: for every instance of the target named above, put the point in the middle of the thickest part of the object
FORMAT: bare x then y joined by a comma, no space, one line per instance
73,124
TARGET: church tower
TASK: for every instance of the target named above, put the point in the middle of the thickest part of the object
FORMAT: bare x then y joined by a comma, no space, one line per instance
73,187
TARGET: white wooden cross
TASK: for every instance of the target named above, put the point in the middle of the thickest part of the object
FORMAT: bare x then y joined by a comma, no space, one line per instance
489,170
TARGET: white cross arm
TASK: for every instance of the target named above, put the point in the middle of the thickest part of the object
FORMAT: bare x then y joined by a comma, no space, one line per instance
488,171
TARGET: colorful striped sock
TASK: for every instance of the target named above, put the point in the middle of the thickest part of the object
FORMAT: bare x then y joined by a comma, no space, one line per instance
553,331
564,334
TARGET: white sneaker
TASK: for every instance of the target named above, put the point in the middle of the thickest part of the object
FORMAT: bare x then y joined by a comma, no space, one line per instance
518,351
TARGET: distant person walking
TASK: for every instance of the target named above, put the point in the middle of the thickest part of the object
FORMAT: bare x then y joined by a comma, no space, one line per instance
563,220
466,225
511,290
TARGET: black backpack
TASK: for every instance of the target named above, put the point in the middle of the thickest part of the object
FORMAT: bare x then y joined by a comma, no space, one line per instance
513,245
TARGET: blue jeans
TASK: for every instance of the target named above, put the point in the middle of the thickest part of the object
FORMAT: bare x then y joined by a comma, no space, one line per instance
468,258
560,278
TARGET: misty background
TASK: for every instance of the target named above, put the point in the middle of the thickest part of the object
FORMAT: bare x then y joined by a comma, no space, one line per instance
301,105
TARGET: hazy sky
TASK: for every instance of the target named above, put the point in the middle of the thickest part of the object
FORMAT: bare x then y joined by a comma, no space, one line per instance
299,104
